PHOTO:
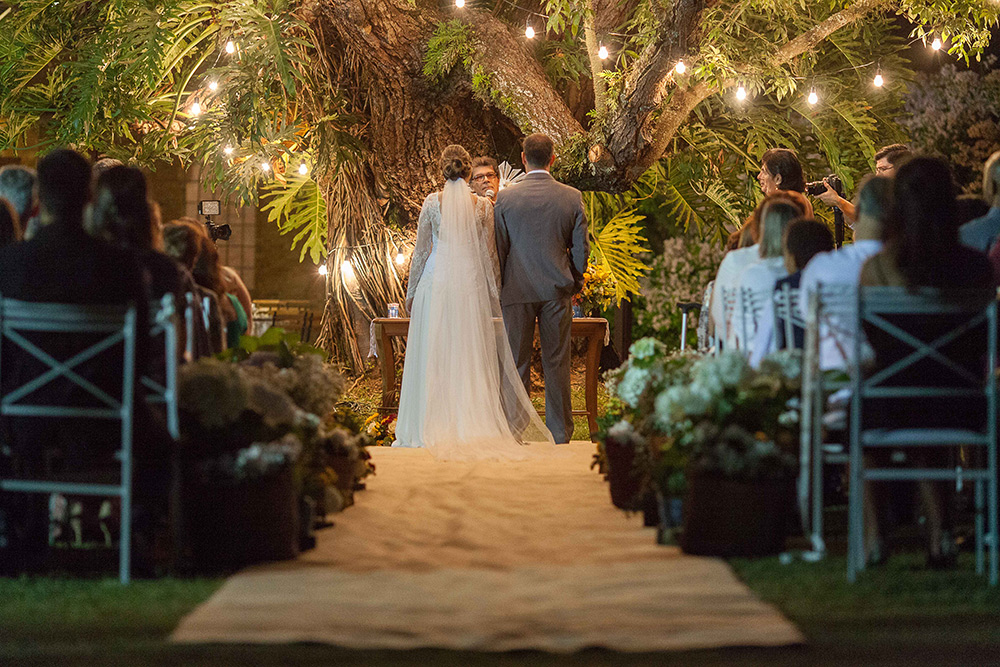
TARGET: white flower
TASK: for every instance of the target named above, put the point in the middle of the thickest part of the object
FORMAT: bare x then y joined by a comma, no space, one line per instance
632,385
646,348
679,402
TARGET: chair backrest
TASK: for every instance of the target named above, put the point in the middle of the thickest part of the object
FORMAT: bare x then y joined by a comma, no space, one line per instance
752,304
160,382
729,295
922,327
787,313
836,321
117,323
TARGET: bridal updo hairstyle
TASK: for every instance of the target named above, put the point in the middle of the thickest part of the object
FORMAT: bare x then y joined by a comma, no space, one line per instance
456,163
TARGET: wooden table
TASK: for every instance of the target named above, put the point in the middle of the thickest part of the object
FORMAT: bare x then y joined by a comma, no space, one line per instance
594,329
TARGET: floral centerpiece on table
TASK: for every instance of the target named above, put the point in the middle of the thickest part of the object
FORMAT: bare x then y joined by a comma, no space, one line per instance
598,291
381,429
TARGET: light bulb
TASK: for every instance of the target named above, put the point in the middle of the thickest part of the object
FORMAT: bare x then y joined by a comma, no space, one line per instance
602,52
230,47
879,81
460,3
680,67
195,109
213,86
400,258
347,271
228,150
741,93
265,167
529,32
303,169
936,44
323,270
813,97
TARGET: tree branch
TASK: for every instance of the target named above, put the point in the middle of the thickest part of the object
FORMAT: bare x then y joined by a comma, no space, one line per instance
596,66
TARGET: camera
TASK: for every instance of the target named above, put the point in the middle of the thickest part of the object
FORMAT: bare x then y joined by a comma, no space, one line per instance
211,207
817,188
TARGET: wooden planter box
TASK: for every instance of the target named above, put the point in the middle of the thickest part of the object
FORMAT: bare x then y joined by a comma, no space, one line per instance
724,517
230,526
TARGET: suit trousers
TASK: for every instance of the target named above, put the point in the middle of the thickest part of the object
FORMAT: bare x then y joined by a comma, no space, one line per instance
555,319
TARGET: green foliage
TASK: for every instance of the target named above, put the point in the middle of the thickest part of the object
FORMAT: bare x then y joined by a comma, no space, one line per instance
296,204
449,47
614,246
286,344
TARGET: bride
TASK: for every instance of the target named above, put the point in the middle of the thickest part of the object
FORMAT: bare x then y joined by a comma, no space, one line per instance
461,396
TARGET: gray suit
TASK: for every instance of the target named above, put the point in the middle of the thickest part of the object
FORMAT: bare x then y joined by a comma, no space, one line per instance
543,244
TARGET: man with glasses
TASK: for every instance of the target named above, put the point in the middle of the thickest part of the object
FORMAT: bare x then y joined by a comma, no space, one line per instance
887,160
485,180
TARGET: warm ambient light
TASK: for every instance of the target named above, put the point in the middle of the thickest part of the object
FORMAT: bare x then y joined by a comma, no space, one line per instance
195,109
228,150
303,169
936,44
680,67
879,81
265,167
323,270
230,47
400,258
529,32
741,93
813,97
602,52
347,271
460,3
213,86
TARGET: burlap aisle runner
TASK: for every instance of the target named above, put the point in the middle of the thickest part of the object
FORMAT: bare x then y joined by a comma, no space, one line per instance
489,557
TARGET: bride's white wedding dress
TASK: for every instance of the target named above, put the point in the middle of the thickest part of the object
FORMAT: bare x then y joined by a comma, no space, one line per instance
461,396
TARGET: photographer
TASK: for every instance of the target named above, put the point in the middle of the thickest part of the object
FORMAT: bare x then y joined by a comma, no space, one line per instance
887,160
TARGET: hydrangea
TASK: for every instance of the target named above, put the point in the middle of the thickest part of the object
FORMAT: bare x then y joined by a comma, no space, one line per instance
679,402
716,374
632,385
786,363
646,348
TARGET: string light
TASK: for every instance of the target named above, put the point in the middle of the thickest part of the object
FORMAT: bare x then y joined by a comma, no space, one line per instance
529,32
813,97
213,85
230,47
195,109
936,44
265,167
400,258
878,81
602,52
680,67
460,3
303,169
741,93
228,150
323,270
347,271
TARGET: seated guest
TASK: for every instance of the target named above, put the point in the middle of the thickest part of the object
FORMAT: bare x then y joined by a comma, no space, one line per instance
10,225
733,264
235,286
969,208
63,264
759,278
982,232
922,249
208,273
843,267
17,186
804,239
182,241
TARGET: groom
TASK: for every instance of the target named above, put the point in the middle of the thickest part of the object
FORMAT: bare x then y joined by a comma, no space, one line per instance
542,240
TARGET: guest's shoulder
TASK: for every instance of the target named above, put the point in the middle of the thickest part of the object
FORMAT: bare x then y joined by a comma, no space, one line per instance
876,270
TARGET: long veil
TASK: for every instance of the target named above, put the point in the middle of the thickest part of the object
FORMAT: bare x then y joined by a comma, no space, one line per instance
469,362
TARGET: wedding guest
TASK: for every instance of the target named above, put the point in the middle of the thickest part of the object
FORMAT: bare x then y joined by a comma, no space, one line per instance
485,177
10,225
922,249
183,240
804,239
843,267
758,279
63,264
235,286
780,169
17,186
982,232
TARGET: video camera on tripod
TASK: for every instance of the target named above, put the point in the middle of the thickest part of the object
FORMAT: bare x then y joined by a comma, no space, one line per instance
211,207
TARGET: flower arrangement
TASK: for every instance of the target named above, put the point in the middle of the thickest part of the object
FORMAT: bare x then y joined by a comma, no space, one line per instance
689,414
381,429
598,291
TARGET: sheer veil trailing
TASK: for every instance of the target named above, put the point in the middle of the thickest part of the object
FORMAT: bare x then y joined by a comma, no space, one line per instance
476,407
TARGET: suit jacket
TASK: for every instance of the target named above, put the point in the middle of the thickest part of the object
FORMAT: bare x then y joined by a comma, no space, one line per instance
542,240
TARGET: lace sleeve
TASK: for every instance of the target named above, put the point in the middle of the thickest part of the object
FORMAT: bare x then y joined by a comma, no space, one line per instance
484,218
425,244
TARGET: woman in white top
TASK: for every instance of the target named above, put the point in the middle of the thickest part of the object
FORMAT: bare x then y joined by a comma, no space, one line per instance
755,285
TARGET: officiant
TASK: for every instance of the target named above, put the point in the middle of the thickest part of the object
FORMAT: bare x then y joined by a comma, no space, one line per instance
485,180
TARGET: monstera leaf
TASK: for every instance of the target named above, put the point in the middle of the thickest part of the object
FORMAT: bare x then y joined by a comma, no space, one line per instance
615,245
297,205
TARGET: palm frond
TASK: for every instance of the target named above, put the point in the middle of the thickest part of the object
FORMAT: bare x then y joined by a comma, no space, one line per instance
615,246
297,205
